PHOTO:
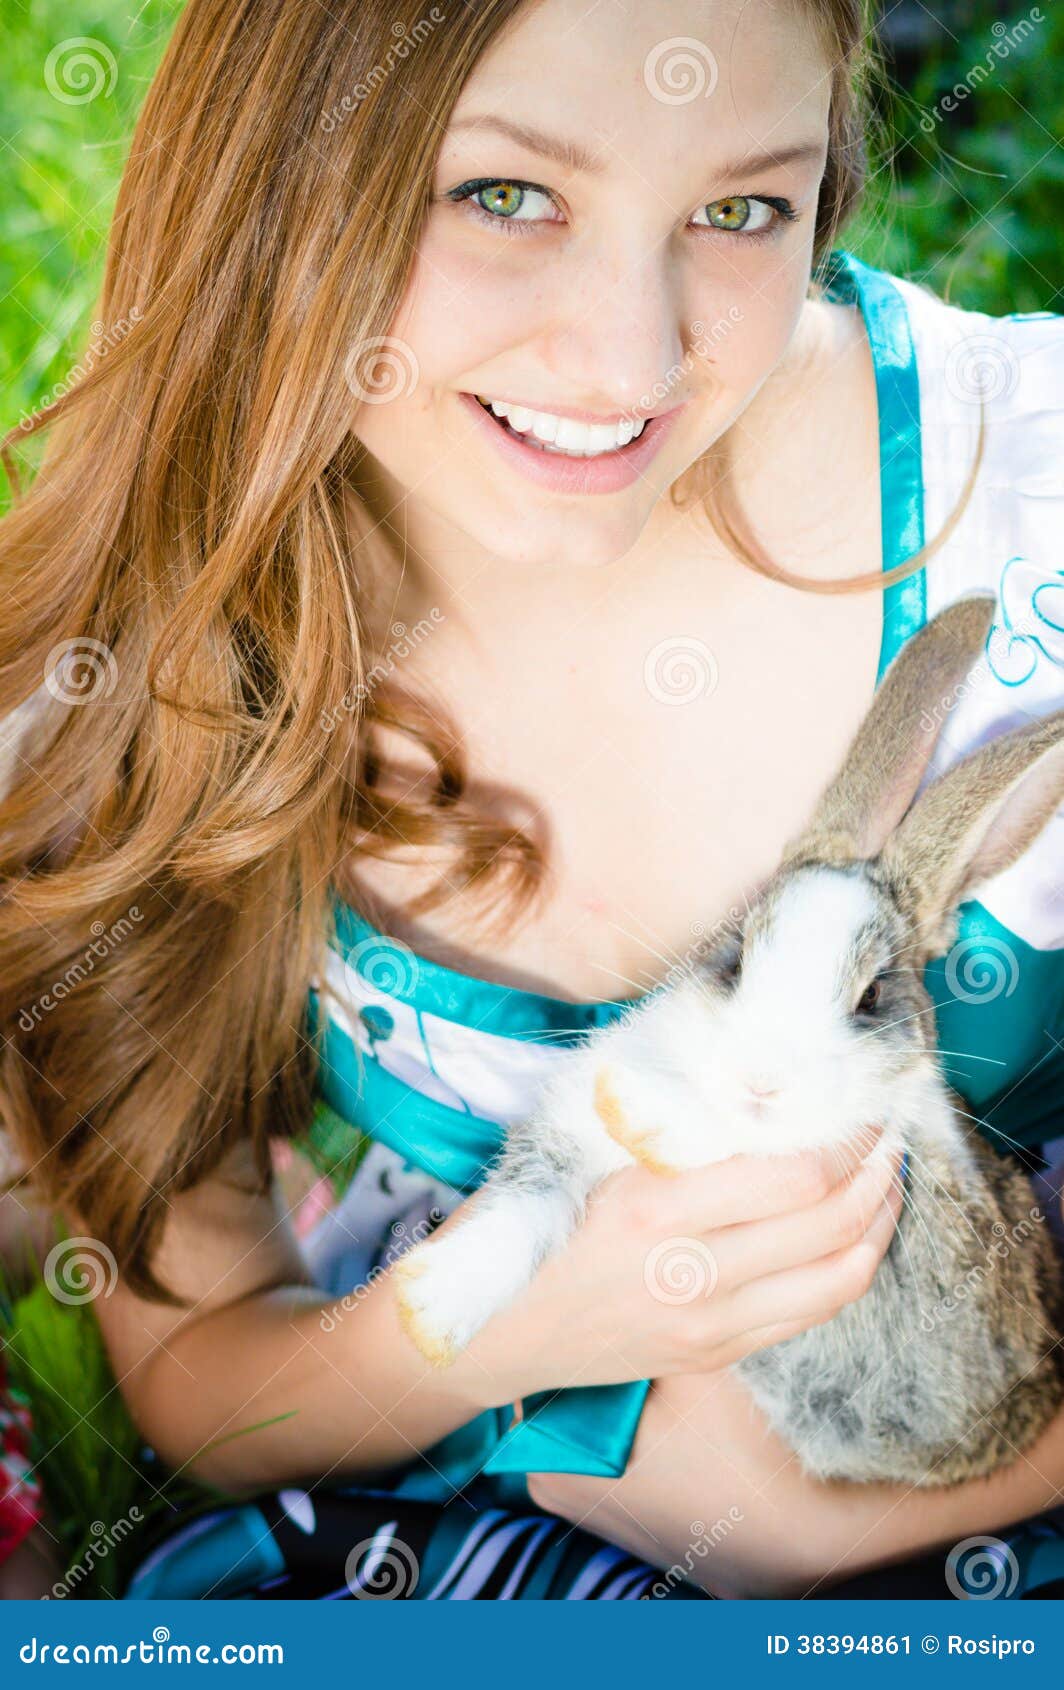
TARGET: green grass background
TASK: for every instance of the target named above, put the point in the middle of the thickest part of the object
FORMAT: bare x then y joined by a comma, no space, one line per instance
976,209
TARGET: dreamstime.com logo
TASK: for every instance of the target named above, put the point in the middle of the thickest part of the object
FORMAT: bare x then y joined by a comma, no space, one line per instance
703,1539
1004,1240
104,340
78,1270
680,70
980,368
159,1649
705,940
380,369
104,940
1005,39
982,1569
403,1238
705,338
680,1270
405,42
382,1568
102,1541
982,968
680,670
80,69
404,641
80,670
1011,629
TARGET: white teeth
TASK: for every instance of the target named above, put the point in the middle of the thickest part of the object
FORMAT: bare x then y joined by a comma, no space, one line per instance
564,434
545,428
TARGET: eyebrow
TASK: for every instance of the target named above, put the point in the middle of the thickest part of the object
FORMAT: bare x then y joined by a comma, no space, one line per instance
575,157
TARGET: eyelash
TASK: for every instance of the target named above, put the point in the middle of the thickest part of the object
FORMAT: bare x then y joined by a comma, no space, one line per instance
464,194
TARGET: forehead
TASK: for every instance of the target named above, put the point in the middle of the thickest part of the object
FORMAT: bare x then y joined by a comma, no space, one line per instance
648,83
819,922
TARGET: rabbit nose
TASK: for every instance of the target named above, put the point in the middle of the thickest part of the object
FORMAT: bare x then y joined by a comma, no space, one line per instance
762,1089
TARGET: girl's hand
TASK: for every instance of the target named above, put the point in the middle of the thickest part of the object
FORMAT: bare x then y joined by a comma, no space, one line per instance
688,1273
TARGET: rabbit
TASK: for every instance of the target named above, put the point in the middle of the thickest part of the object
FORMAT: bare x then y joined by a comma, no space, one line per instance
806,1022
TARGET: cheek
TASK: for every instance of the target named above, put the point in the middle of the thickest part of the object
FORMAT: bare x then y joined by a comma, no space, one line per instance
463,308
750,321
458,313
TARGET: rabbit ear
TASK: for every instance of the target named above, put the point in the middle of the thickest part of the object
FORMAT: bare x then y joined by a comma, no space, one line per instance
890,752
974,821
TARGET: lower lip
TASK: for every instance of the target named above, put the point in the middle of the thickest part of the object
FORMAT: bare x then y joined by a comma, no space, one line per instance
607,473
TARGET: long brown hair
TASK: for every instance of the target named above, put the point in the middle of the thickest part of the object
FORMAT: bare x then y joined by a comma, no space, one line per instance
191,576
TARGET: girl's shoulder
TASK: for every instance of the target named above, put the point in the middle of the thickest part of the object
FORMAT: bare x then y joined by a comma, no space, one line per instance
1005,375
1008,539
1009,370
1012,362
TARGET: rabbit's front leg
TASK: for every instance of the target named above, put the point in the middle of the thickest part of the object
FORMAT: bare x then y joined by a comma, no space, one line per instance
449,1287
654,1125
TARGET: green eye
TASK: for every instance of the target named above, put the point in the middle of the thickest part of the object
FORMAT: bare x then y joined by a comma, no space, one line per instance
742,214
732,213
501,198
507,206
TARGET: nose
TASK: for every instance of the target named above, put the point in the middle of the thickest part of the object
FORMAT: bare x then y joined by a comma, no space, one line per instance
621,341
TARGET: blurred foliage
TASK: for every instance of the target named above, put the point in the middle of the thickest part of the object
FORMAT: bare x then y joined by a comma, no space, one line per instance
61,156
971,200
84,1445
107,1497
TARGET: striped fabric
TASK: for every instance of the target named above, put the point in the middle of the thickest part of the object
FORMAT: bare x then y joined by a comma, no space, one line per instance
357,1544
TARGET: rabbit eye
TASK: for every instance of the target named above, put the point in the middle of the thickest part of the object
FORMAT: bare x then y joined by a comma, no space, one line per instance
722,960
869,999
730,966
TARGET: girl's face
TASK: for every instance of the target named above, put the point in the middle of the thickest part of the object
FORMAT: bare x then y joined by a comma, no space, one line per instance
620,234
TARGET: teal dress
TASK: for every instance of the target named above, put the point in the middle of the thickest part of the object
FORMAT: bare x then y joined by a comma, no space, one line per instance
421,1062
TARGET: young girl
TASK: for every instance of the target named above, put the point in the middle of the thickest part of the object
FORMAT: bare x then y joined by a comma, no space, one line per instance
497,503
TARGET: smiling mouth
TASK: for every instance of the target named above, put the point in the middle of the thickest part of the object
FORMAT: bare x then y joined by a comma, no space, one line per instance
563,437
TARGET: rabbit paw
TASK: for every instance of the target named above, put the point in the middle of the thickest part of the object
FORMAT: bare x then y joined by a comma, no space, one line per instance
650,1147
439,1287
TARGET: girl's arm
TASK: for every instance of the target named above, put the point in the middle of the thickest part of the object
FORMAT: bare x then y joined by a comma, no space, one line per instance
714,1492
347,1391
258,1341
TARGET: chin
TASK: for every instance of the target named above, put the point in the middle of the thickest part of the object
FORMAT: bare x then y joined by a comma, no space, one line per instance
573,538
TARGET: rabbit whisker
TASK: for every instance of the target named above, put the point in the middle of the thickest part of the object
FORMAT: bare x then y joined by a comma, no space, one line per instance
951,1201
972,1056
976,1121
918,1218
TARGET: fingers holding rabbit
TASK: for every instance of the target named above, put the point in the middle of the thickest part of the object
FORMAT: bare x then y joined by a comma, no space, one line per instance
651,1283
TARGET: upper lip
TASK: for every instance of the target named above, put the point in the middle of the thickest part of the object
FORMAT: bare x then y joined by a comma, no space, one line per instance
553,410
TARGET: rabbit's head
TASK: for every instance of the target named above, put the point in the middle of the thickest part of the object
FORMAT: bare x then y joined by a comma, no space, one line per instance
810,1017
